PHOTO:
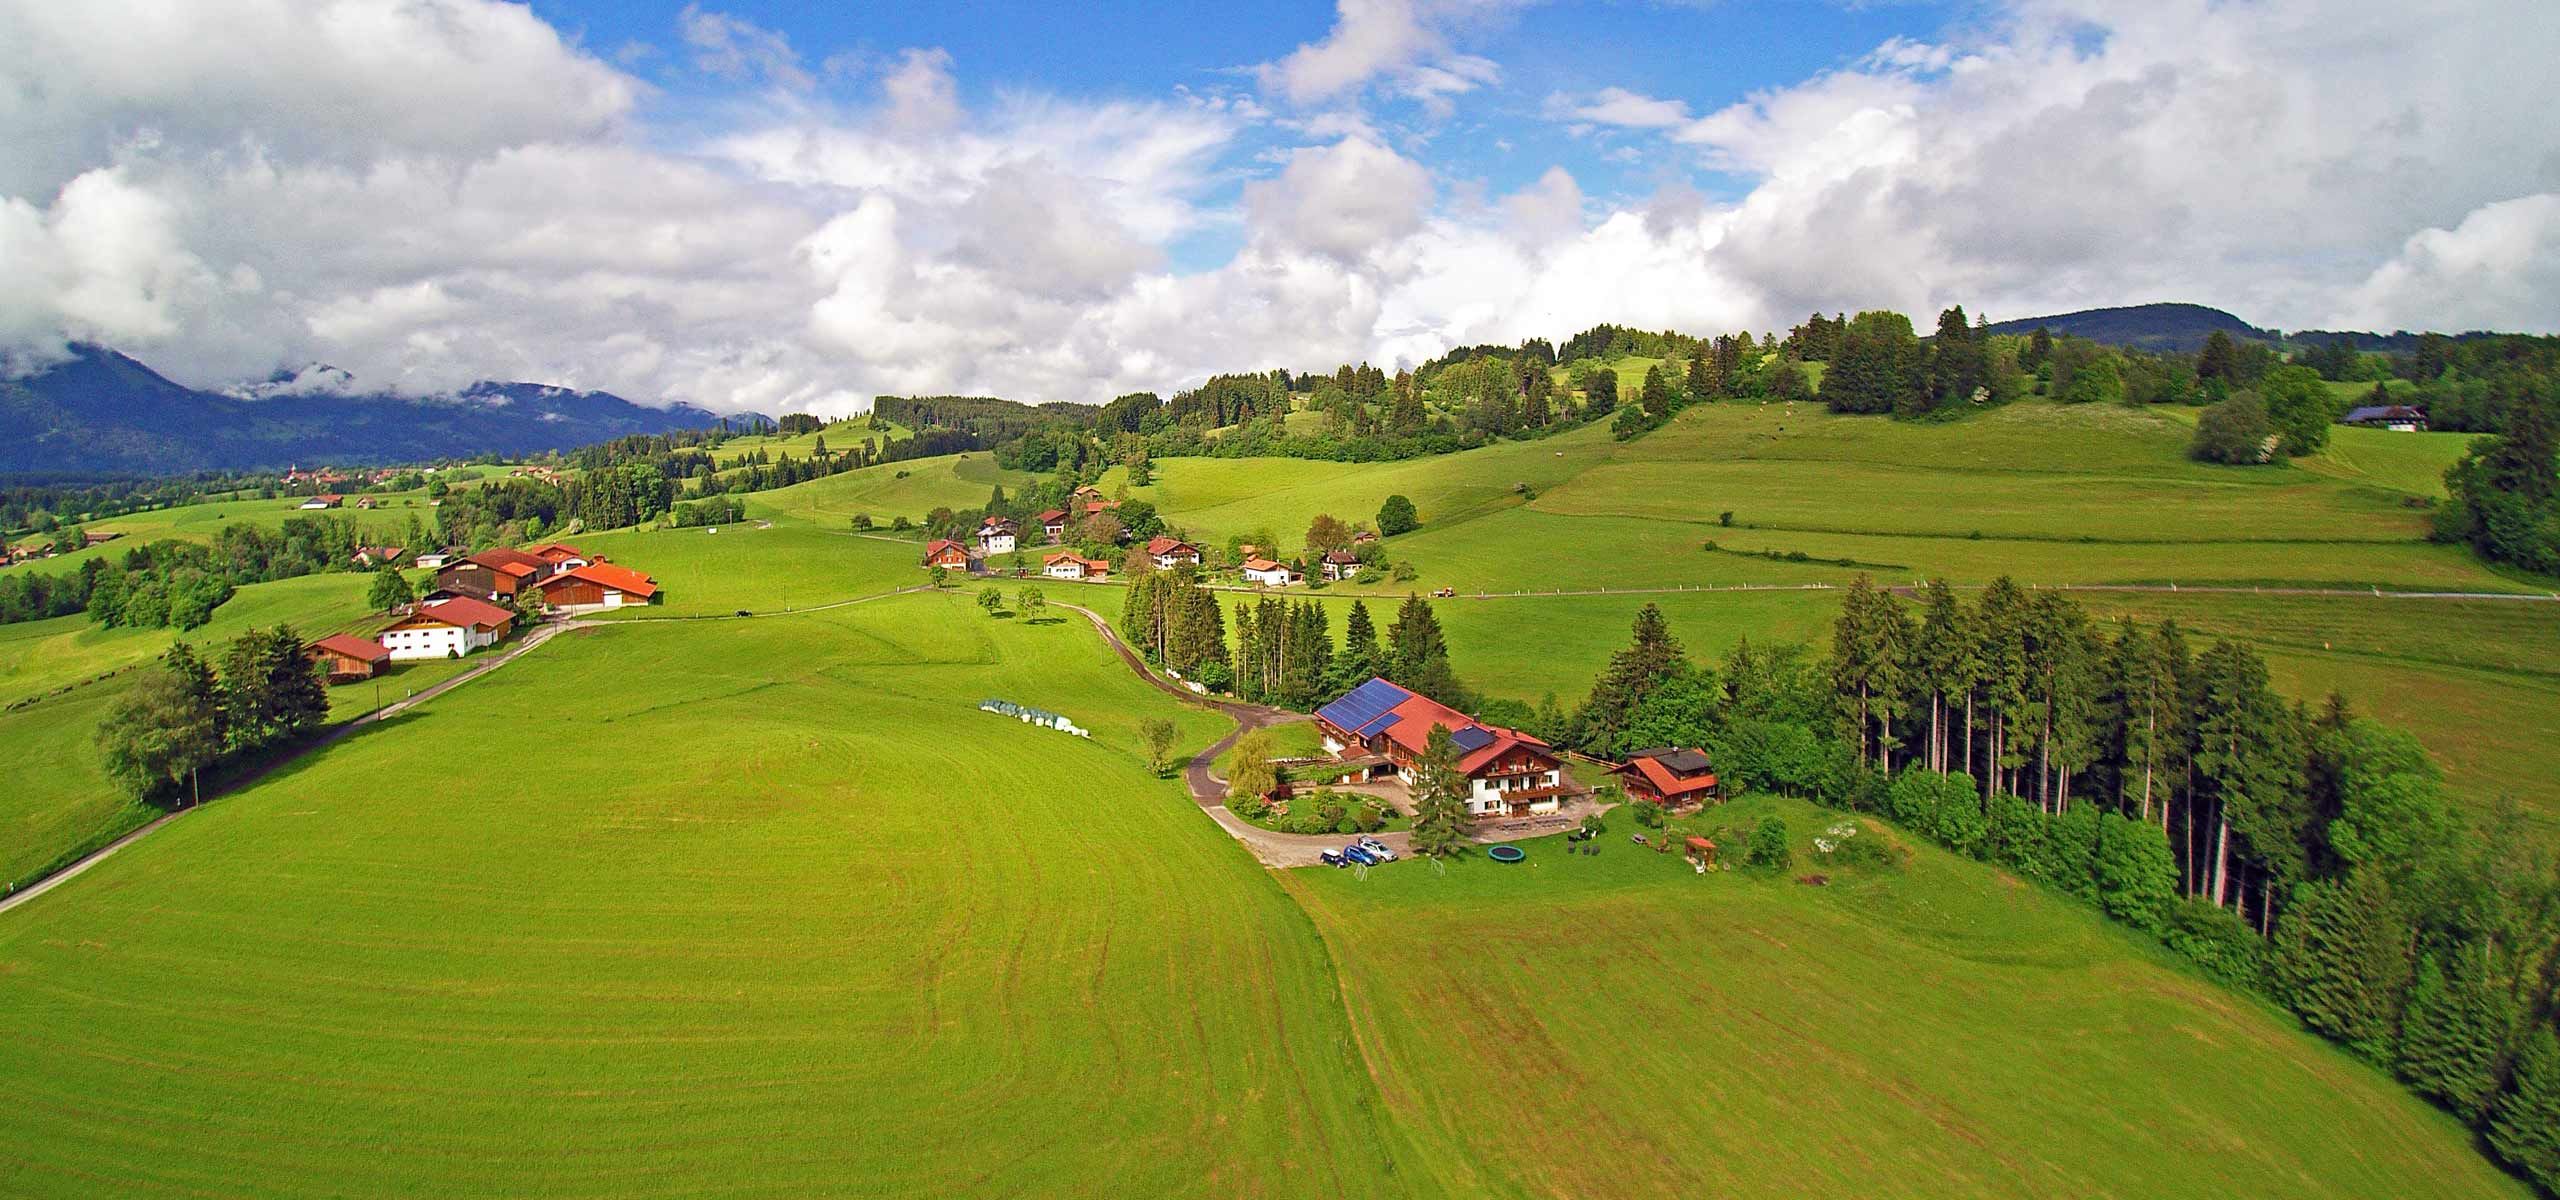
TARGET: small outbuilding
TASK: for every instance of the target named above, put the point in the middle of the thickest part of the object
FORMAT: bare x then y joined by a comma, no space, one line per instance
346,657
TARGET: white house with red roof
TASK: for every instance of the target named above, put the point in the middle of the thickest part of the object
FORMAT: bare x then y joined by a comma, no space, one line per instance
949,555
1263,572
1053,525
1168,553
1509,773
1067,564
446,629
996,535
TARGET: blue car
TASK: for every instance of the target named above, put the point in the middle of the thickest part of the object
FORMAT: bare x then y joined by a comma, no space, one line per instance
1333,858
1356,853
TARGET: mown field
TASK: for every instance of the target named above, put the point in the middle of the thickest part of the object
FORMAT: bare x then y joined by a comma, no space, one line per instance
780,913
1620,1026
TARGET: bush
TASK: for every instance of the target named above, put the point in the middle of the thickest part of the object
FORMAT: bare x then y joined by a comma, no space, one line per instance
2217,940
1346,826
2235,431
1404,573
1769,849
1649,814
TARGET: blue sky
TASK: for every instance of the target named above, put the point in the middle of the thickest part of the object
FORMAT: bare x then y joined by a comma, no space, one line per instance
754,205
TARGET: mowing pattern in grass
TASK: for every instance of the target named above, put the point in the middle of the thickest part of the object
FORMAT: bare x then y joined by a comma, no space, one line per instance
1618,1026
754,908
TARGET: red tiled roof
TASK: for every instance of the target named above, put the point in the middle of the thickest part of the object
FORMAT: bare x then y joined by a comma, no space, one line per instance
1260,564
1166,545
552,552
1092,566
939,545
353,647
1053,516
1416,718
465,611
620,579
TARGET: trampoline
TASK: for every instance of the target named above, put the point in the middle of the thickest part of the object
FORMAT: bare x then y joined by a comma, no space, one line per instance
1506,854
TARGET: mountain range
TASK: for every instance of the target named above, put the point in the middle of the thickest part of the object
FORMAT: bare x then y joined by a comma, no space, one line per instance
99,412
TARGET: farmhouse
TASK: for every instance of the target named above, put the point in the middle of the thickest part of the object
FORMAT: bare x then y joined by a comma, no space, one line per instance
949,555
560,556
1067,564
446,629
1340,565
2398,418
1262,572
324,500
591,586
491,574
1671,776
1053,525
437,560
375,556
1168,553
996,536
346,657
1508,773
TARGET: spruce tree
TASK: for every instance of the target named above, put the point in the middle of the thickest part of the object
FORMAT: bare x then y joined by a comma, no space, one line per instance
2342,962
1418,654
1439,797
2456,1031
2525,1129
1652,657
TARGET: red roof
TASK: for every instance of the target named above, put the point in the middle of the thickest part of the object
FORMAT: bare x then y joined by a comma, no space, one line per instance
1663,781
1418,716
351,646
1092,566
1165,545
501,558
1053,516
620,579
1260,564
552,552
942,545
467,612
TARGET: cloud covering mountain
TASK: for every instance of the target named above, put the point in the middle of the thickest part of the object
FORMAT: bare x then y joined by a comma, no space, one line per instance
429,192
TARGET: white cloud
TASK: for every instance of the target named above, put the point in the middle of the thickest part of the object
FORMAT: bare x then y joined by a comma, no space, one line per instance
1406,42
736,48
252,184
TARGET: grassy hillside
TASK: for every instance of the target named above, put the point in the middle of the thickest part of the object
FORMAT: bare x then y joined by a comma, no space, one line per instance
901,489
1619,1026
779,910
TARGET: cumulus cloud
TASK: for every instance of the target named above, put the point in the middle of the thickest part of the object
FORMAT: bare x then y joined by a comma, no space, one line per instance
427,192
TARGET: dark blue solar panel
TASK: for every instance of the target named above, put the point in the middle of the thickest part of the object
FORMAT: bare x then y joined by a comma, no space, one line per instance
1363,705
1382,720
1471,738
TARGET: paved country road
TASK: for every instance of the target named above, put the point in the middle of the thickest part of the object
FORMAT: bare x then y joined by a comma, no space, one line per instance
328,737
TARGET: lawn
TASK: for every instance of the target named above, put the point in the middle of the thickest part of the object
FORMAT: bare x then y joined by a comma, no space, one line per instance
201,522
1619,1026
702,573
741,932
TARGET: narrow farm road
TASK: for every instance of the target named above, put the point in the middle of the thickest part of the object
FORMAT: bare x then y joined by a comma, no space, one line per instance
1272,848
327,738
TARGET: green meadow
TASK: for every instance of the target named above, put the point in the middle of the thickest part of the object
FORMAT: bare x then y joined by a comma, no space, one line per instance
767,907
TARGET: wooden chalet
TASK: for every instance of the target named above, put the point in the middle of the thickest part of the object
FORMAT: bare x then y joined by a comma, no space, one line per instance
949,555
1340,565
1671,776
2398,418
1053,525
376,556
560,556
323,500
1067,564
1509,773
492,574
596,585
997,535
346,657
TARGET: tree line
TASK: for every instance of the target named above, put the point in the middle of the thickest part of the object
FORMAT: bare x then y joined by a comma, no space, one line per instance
171,583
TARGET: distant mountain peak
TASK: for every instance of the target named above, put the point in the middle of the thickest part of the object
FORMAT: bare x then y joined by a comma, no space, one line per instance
2170,327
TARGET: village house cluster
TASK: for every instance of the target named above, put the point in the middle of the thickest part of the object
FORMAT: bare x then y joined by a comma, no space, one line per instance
469,605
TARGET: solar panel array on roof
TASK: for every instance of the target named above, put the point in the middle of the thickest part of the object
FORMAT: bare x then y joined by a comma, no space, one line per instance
1362,708
1471,739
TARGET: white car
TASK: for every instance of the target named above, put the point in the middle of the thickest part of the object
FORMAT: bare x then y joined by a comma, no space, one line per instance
1379,848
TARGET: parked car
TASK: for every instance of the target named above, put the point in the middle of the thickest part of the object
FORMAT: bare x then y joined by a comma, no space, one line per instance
1333,858
1379,848
1355,853
1445,593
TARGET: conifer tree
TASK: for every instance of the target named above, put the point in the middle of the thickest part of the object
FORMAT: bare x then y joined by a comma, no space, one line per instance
1439,797
1870,644
2455,1031
1418,654
1652,657
1942,669
2525,1130
2342,962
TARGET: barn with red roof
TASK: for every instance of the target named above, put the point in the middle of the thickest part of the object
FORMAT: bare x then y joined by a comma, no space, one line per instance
597,585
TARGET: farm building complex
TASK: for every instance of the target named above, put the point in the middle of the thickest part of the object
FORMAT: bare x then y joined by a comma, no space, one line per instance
1508,773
